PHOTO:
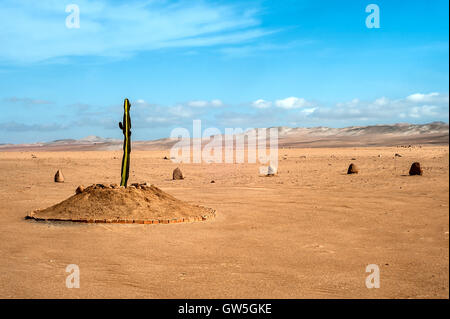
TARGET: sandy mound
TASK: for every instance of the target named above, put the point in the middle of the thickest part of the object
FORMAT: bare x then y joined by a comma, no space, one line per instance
139,203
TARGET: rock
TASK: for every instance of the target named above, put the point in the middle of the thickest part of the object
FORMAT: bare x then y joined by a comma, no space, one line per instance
271,171
397,155
212,182
166,158
79,189
415,169
352,169
114,186
177,174
100,186
59,177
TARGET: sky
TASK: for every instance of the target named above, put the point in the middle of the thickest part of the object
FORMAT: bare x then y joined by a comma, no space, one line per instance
231,64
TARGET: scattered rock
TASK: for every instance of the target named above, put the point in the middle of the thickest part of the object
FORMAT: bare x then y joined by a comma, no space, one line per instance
59,177
33,156
415,169
271,171
177,174
352,169
79,189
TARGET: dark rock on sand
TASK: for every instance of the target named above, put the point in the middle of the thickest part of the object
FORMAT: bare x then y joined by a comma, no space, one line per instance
177,174
415,169
352,169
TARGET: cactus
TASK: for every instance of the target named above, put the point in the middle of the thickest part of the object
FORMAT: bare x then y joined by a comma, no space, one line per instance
126,129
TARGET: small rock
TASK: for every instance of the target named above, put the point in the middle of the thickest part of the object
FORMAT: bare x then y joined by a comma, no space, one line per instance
212,182
166,158
271,171
397,155
79,189
114,186
59,177
352,169
415,169
177,174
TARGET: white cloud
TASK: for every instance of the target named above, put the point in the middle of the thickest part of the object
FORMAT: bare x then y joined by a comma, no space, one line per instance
261,104
292,103
203,103
416,106
419,97
309,110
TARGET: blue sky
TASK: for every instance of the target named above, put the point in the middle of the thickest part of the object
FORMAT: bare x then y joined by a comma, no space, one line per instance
229,63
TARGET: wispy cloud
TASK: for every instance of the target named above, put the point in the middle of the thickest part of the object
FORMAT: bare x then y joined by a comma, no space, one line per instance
202,103
26,101
292,111
120,29
23,127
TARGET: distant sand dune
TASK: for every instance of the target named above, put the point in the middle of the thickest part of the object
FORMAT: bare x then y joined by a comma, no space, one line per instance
436,133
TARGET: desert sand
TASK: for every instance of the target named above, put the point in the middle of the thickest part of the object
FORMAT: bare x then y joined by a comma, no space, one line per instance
307,232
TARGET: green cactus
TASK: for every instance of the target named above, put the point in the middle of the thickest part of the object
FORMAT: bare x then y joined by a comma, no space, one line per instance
126,129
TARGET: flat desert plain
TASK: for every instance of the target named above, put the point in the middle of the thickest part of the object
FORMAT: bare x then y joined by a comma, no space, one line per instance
308,232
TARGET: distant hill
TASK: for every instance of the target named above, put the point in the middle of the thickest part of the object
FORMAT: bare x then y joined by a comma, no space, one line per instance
435,133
